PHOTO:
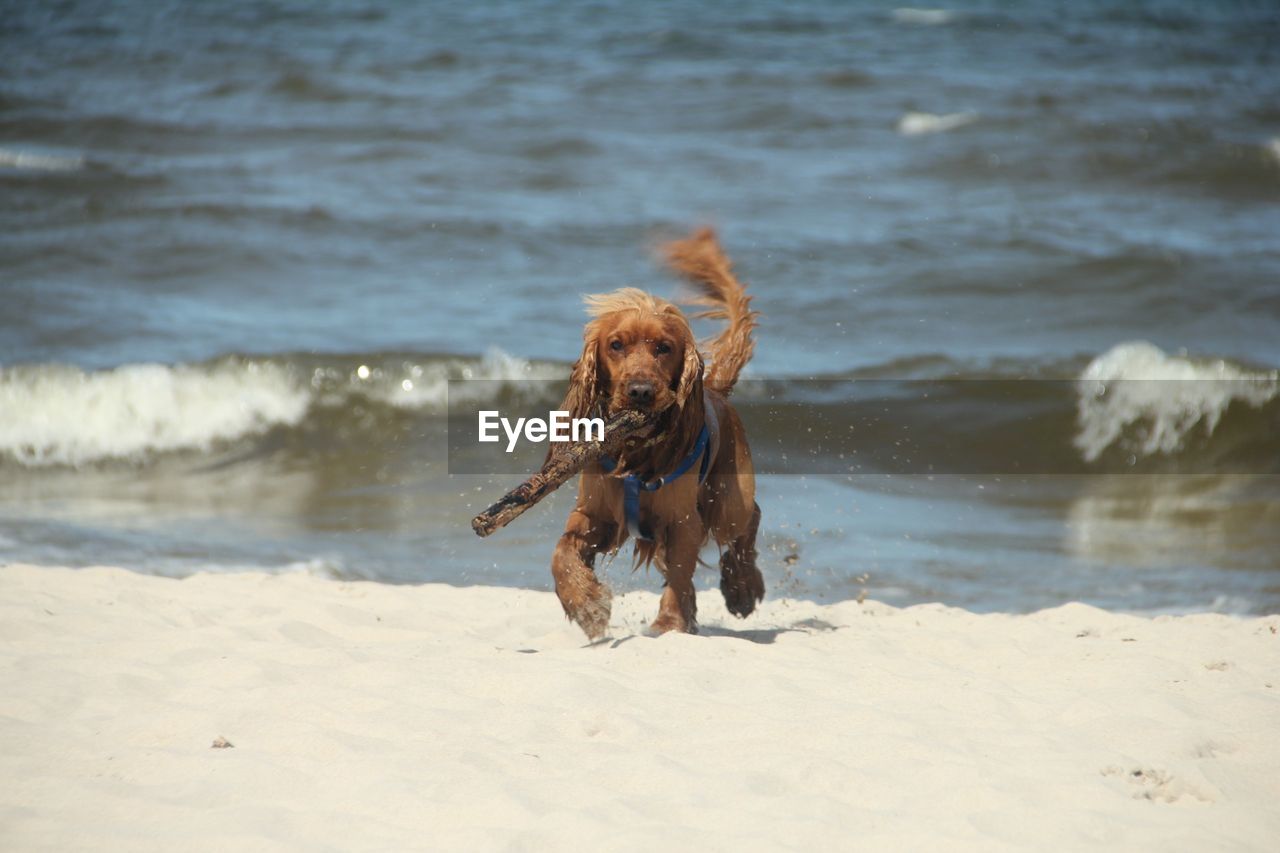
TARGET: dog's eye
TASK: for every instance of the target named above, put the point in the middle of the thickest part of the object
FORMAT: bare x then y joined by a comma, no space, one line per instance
616,346
662,348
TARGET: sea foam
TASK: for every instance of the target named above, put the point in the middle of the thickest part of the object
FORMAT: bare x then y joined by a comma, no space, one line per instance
57,414
924,17
920,124
1137,396
32,161
60,415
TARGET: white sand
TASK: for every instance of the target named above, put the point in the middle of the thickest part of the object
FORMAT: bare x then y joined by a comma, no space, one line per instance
392,718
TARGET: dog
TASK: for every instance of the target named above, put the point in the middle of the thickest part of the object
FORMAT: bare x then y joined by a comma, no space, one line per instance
691,479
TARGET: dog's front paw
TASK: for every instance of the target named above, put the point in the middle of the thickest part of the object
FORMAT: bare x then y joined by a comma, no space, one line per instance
591,611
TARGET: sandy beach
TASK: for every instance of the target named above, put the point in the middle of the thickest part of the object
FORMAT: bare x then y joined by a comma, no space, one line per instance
364,716
997,305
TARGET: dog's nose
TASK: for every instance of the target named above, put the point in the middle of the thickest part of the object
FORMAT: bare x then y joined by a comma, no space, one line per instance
640,393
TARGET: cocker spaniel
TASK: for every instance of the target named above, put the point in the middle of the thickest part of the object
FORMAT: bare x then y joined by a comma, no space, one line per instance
691,479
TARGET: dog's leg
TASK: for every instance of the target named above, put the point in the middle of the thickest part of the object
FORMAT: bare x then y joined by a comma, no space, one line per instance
585,600
678,610
740,581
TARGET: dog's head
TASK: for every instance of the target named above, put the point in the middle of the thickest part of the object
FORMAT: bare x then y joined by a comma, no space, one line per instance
638,353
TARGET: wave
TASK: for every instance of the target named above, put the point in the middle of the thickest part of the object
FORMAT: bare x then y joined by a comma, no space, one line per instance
1175,154
30,161
921,124
60,415
1133,408
1146,402
922,17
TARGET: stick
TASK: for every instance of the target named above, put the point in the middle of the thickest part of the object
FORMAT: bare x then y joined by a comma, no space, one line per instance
559,467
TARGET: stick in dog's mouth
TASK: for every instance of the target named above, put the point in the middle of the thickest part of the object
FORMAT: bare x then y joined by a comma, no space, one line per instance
565,461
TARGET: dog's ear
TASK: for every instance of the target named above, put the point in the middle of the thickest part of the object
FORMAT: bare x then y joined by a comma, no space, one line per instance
584,381
690,384
688,415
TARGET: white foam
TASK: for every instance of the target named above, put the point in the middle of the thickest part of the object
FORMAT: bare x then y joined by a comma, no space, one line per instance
1167,412
924,17
417,386
60,415
32,161
1273,146
919,124
316,567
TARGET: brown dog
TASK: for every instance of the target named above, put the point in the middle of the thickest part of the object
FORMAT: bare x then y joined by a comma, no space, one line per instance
696,480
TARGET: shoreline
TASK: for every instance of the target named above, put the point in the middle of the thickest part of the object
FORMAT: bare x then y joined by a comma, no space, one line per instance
370,716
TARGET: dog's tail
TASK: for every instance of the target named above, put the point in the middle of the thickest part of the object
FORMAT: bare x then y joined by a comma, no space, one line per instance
699,259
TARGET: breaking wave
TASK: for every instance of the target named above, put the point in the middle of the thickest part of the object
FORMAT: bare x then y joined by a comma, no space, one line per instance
31,161
923,124
1146,402
922,17
1133,408
55,414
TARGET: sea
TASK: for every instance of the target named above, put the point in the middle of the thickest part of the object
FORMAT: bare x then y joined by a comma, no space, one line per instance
1020,261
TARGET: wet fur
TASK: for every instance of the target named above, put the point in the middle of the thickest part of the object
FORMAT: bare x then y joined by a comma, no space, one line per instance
683,515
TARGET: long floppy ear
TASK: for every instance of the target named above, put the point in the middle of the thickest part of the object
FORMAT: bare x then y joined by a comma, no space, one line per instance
690,374
584,381
688,415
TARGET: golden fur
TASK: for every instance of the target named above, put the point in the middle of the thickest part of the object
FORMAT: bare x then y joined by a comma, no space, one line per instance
640,344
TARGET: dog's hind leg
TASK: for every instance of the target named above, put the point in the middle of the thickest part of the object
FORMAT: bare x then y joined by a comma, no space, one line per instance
740,581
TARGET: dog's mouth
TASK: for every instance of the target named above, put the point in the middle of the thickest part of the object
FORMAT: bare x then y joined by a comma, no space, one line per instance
660,411
649,406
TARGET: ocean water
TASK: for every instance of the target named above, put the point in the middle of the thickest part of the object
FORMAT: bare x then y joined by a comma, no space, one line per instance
244,247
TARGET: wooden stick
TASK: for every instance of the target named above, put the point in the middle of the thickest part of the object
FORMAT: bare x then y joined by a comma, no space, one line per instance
561,465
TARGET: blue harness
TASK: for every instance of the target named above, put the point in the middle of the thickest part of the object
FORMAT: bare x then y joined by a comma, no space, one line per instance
632,485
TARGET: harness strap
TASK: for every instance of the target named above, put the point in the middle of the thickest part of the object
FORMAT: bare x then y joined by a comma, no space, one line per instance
632,485
713,430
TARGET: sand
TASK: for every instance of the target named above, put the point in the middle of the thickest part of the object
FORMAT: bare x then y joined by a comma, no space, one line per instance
370,717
